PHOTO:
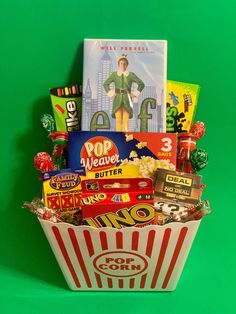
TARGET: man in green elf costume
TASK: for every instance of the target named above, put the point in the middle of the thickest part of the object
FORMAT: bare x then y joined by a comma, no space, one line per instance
122,109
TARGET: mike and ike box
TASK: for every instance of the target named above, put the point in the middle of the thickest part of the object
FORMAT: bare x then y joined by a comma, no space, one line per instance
117,203
121,154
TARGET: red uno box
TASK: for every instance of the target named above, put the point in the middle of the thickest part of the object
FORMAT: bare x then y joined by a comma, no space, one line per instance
118,203
130,259
100,151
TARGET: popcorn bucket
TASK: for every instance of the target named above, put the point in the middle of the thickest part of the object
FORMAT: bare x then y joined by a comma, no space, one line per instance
129,259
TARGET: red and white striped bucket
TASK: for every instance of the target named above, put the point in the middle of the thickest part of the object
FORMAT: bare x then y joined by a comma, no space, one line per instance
147,259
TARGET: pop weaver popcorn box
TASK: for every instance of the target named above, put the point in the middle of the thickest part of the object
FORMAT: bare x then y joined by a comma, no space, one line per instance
100,152
117,203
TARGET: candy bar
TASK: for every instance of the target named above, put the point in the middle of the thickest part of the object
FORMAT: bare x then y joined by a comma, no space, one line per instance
181,102
66,105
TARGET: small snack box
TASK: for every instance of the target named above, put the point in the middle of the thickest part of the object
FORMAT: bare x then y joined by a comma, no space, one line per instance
181,104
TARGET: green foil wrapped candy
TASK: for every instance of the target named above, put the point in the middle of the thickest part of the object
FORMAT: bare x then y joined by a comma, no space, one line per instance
198,159
48,123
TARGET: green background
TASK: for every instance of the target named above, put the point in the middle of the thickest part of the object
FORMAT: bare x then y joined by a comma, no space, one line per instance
41,47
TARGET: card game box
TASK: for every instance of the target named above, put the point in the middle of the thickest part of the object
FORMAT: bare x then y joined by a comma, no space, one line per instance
117,203
62,189
181,187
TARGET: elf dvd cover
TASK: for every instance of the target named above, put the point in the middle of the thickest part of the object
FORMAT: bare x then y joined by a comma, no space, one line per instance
124,85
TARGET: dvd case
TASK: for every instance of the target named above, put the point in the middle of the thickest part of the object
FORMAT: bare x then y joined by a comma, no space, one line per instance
124,85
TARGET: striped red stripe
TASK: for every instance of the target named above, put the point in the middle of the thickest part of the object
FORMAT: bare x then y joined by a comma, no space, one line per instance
62,247
175,256
150,242
135,239
89,243
162,253
103,239
98,279
110,283
120,283
119,240
79,256
143,281
131,283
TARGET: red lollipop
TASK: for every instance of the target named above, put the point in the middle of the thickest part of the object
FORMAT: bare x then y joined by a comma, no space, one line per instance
43,162
198,129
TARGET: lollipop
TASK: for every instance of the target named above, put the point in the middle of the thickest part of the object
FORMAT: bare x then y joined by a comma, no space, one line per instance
198,159
48,123
198,129
186,144
59,139
189,158
43,162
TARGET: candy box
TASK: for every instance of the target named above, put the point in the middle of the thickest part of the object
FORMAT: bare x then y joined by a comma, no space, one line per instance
66,105
101,151
181,100
117,203
150,258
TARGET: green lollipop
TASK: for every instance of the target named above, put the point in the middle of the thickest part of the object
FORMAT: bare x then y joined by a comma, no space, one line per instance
48,123
198,159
